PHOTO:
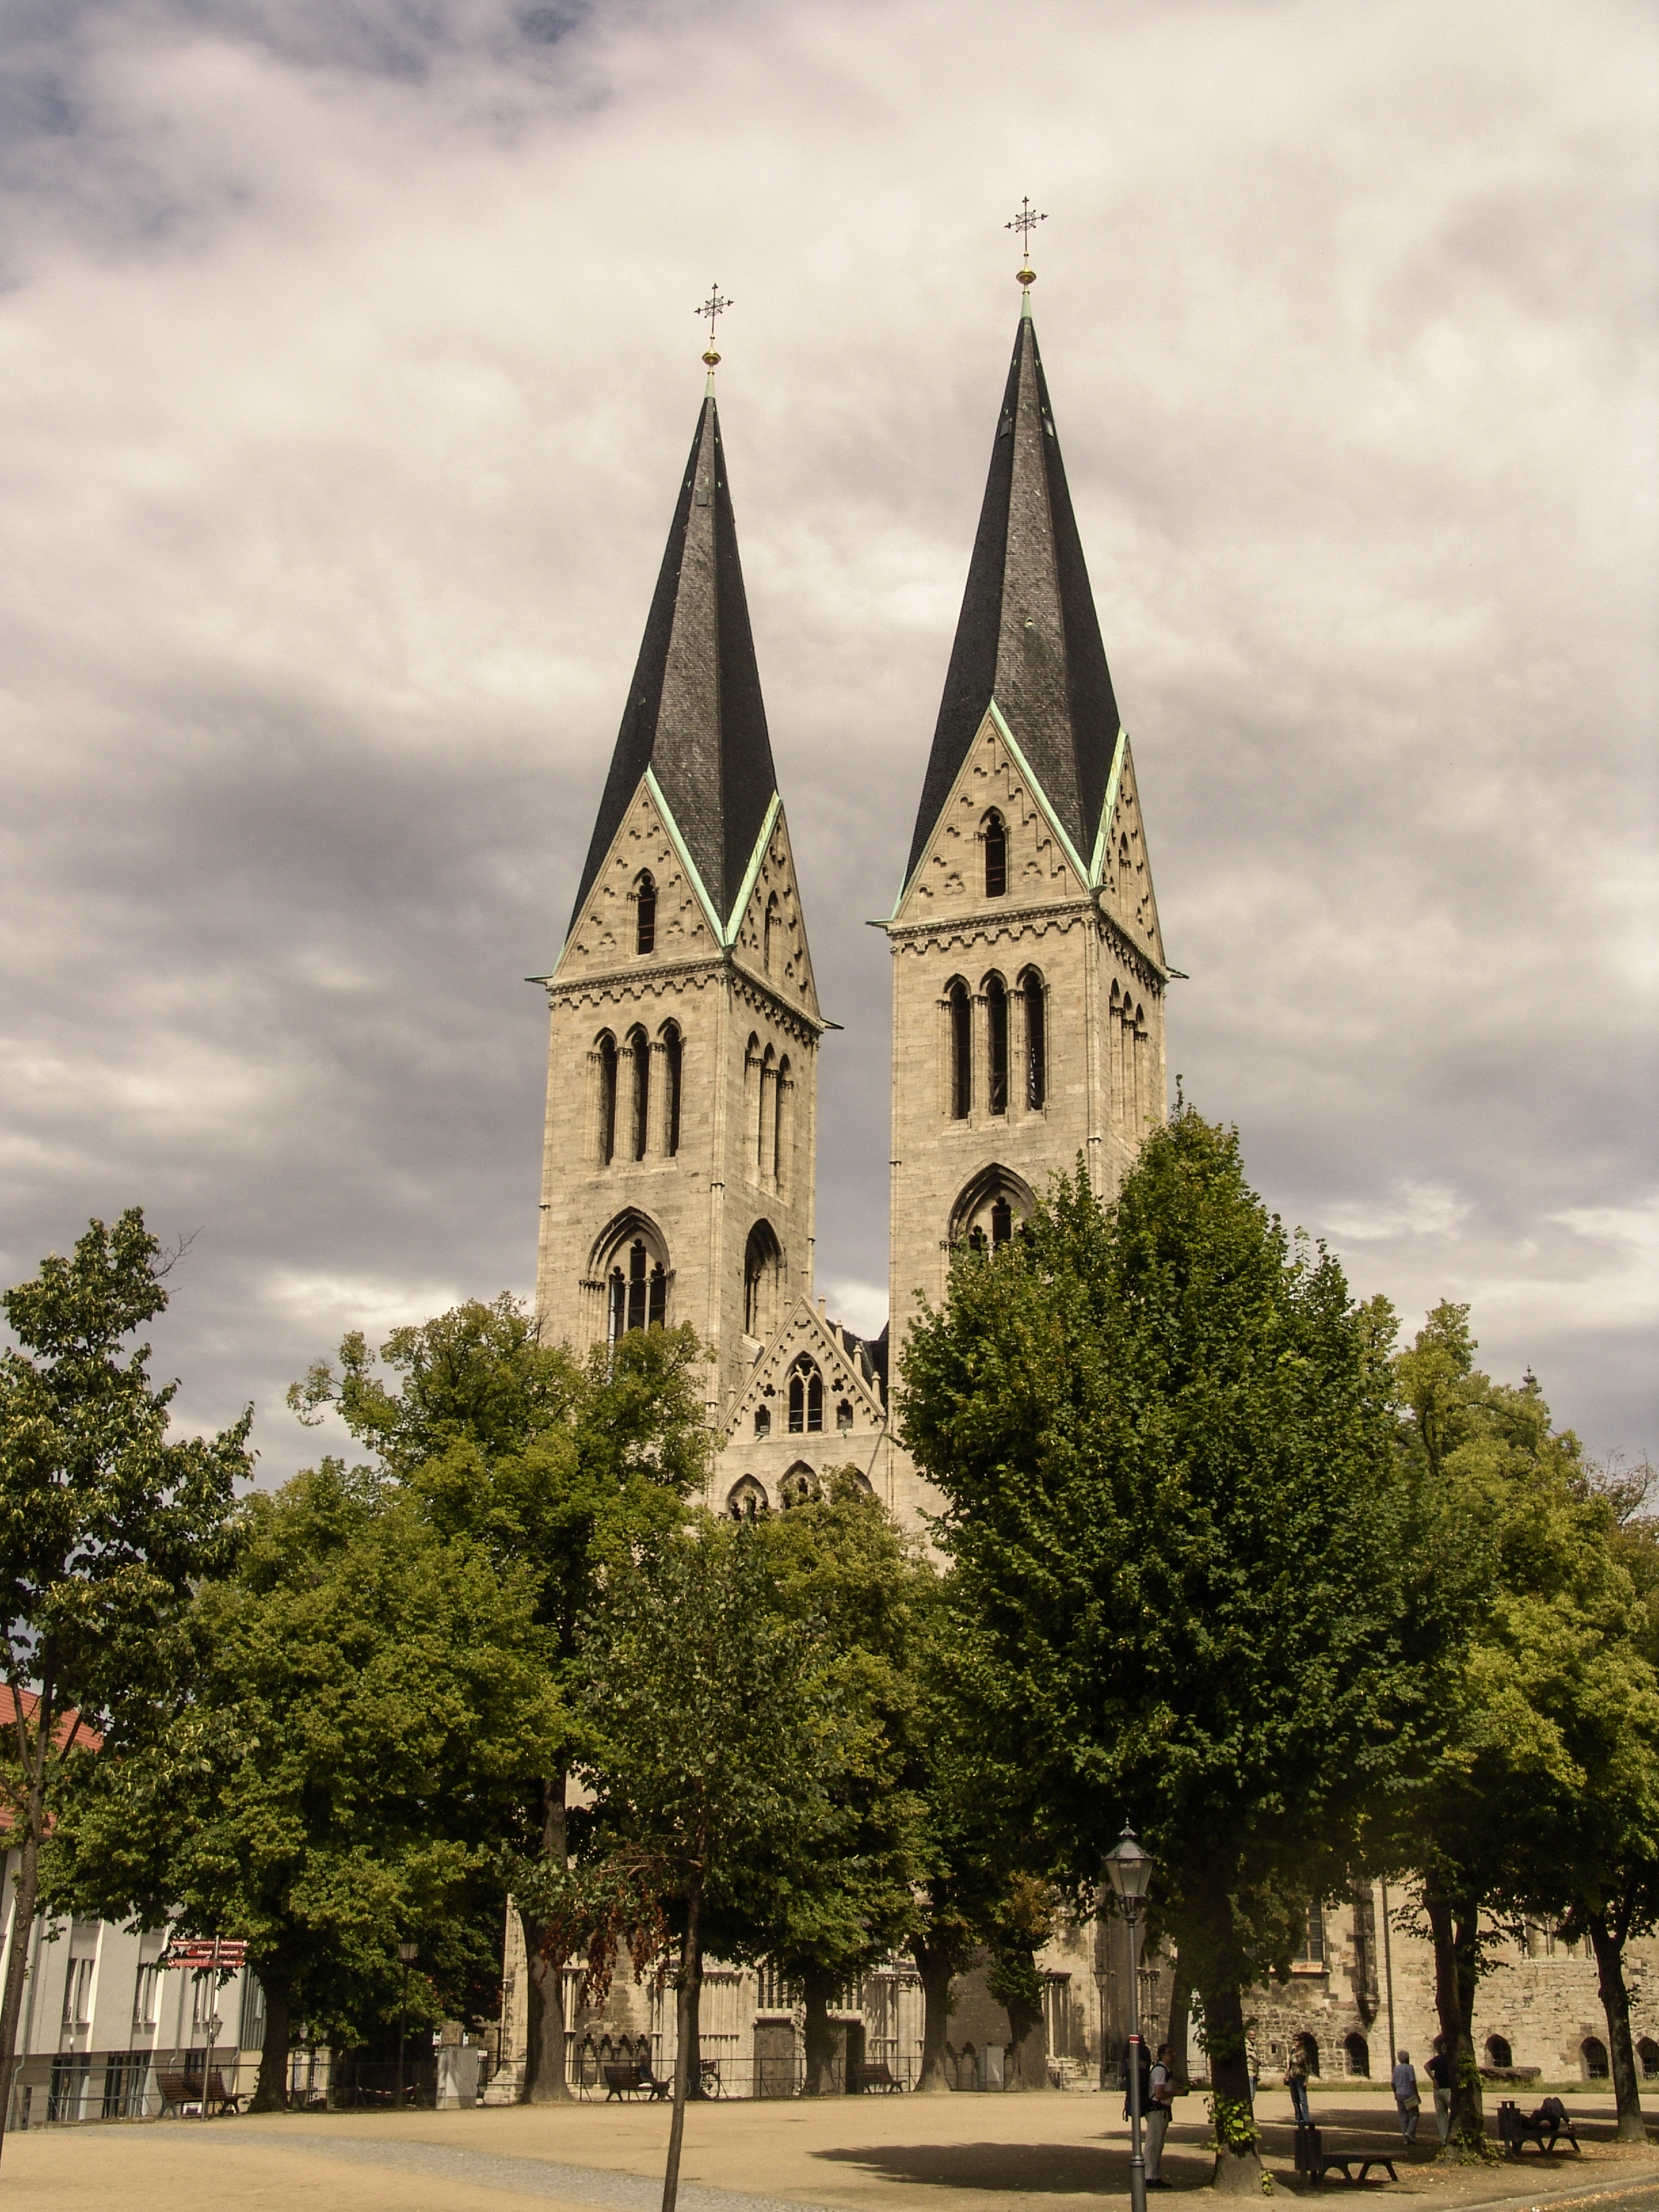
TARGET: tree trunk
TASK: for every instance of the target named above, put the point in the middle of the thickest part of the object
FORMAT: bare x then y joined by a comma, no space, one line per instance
1608,1939
544,2082
271,2091
685,2021
933,1964
1028,2051
1456,1969
22,1927
1237,2165
1180,2030
819,2050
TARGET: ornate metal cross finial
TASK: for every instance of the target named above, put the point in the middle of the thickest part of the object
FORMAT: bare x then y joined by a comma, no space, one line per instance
713,306
1025,223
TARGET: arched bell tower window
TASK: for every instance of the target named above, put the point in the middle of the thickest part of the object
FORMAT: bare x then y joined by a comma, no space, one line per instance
636,1290
645,913
805,1397
960,1014
990,1209
639,1119
996,1039
605,1056
1037,1041
995,832
673,1063
763,1270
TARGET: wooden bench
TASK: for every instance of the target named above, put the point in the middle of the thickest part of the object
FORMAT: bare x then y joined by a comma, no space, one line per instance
180,2089
876,2074
1517,2129
634,2081
1315,2161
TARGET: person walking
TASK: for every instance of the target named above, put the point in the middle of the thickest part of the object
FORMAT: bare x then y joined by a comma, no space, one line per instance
1406,2097
1159,2112
1296,2081
1439,2071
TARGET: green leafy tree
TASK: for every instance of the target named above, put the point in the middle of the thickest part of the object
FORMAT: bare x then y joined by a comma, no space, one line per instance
824,1917
1175,1504
365,1696
559,1467
106,1520
1545,1797
716,1745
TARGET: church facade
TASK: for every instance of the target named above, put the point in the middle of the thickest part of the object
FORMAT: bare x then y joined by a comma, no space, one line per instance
1029,980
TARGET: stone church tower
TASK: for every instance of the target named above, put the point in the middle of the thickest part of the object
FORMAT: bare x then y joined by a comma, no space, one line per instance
1027,968
677,1178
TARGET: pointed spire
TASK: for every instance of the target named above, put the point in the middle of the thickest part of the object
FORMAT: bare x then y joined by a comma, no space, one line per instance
694,714
1028,635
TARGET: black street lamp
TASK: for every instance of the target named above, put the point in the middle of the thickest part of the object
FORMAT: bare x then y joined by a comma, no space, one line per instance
408,1952
1131,1870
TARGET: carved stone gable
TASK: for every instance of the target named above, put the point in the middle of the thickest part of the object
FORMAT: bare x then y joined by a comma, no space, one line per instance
771,936
990,791
607,936
1126,871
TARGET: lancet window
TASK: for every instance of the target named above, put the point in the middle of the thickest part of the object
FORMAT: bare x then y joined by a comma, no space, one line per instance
770,930
639,1120
645,913
960,1015
1036,1040
762,1266
604,1072
994,834
996,1044
673,1064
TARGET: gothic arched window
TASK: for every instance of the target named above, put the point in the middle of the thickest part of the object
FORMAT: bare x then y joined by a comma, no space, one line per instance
763,1420
673,1063
645,914
783,1131
762,1266
636,1288
1037,1041
805,1397
844,1416
962,1050
1002,1222
639,1120
769,933
996,1038
746,1499
995,832
606,1117
799,1487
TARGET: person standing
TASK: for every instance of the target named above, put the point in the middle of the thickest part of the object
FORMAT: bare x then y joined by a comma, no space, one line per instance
1159,2112
1439,2071
1406,2096
1296,2081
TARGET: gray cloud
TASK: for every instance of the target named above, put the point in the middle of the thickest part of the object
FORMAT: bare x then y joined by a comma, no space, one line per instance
349,361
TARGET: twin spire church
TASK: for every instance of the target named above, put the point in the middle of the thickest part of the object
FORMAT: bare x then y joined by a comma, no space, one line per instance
1029,979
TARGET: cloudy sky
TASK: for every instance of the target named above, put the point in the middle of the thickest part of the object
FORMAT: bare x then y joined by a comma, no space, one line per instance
347,364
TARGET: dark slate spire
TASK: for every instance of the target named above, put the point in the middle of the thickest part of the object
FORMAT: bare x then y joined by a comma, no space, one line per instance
1028,635
694,712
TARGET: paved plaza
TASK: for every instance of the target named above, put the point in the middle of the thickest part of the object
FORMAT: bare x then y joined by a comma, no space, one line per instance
950,2154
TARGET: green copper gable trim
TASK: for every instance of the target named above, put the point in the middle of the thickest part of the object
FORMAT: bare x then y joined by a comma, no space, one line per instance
752,872
1097,869
1039,794
683,852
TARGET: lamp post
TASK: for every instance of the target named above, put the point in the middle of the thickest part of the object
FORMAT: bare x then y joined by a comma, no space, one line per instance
408,1952
1131,1870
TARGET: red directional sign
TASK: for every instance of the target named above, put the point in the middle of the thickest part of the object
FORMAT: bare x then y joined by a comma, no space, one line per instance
229,1951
